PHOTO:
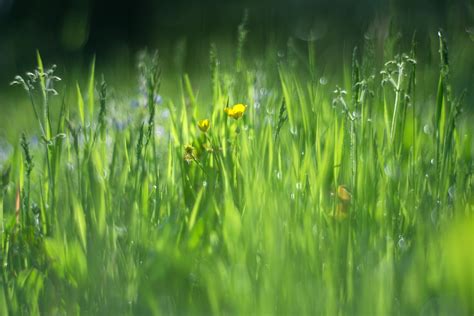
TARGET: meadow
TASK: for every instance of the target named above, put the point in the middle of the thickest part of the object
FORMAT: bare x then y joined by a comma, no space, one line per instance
273,189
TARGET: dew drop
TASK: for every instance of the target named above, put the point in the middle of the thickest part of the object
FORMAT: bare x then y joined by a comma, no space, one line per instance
299,186
278,175
294,130
165,114
270,111
427,129
402,244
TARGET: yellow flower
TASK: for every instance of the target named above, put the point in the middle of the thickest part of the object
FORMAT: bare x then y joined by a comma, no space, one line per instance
203,125
343,203
343,194
236,112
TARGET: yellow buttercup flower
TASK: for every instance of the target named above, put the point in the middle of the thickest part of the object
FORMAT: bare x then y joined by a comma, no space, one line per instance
236,112
343,203
204,125
343,194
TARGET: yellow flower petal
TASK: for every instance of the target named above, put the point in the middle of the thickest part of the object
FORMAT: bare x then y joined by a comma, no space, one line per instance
237,111
343,193
204,125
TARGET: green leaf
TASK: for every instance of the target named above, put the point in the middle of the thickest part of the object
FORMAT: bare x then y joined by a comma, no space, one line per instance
41,71
80,104
80,222
91,90
194,212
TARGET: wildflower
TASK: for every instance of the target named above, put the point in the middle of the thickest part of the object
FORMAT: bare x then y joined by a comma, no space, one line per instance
189,153
343,203
203,125
235,112
343,193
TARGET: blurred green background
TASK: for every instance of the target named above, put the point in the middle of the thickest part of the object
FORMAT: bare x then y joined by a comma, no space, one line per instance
69,33
400,251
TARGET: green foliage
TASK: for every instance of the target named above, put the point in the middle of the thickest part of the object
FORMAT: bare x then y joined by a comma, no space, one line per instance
309,201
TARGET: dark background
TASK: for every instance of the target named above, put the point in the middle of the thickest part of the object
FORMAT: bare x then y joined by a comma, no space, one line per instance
68,29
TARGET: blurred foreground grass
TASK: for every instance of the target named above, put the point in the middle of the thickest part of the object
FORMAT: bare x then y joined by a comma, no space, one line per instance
309,199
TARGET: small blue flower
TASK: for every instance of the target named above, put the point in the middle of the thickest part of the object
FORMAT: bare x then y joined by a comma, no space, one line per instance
158,99
134,104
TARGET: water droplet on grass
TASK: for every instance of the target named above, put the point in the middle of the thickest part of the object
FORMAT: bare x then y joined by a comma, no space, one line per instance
402,244
278,174
157,99
323,81
165,114
427,129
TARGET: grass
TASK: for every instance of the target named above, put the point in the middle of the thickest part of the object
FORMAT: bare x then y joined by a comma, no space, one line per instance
315,201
